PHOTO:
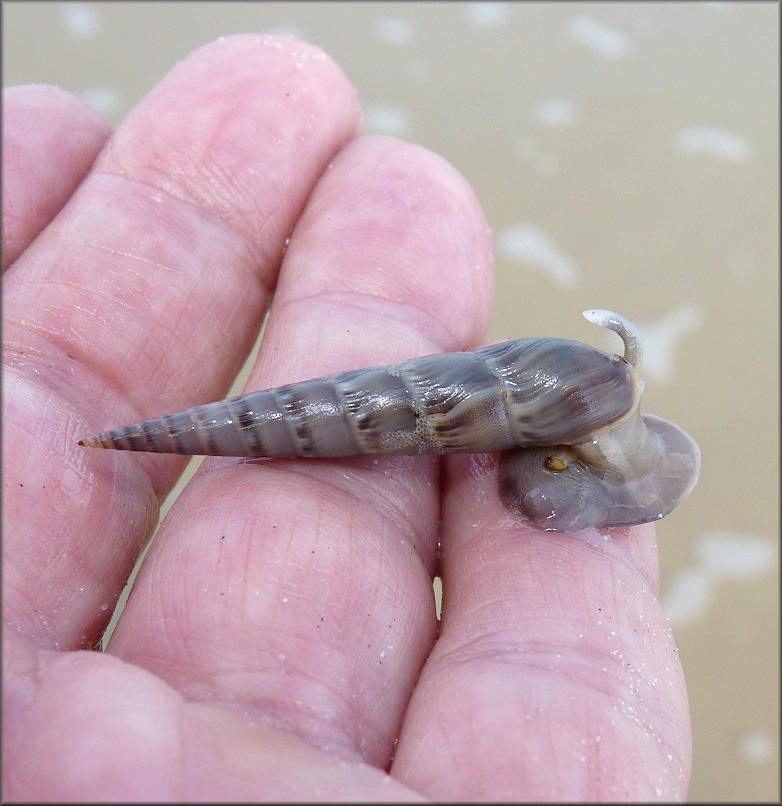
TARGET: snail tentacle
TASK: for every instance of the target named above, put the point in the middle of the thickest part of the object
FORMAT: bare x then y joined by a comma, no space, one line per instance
628,332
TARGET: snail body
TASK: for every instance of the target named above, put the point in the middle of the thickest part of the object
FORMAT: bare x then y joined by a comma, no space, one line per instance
537,400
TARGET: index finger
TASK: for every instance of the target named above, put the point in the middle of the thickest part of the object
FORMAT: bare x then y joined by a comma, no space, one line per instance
143,296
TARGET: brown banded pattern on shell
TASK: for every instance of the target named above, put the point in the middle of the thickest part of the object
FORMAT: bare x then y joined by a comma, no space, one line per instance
514,394
577,451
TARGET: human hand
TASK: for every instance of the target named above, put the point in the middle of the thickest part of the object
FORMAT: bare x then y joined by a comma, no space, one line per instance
282,633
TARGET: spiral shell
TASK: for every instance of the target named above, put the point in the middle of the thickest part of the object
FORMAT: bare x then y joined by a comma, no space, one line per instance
566,414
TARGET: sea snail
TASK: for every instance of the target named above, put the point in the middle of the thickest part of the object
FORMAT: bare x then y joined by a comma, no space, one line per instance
577,451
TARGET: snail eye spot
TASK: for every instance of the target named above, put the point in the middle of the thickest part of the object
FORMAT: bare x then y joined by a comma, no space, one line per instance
555,464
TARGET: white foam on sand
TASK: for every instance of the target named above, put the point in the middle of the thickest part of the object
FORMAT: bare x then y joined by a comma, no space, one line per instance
713,141
395,30
486,15
82,21
528,244
719,556
601,39
664,338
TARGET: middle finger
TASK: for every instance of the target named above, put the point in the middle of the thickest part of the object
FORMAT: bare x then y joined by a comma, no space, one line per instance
300,591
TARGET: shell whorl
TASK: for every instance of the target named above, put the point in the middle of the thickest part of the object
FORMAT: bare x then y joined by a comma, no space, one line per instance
525,392
577,451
